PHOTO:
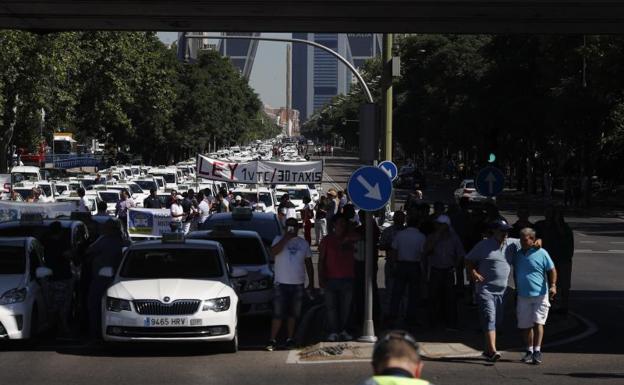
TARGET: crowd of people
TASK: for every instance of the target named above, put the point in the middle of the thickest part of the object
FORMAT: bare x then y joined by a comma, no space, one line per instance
434,254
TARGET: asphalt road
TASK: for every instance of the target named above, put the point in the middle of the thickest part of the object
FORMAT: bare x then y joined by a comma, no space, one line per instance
598,297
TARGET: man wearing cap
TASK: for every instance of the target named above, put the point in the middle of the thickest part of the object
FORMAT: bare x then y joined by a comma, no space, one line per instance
442,258
489,264
240,202
396,361
332,206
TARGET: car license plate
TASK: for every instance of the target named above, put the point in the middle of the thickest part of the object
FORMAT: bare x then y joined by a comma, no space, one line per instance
171,322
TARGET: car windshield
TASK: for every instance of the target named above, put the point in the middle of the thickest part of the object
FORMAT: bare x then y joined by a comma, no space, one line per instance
147,184
23,192
160,182
60,188
47,189
172,263
88,183
242,251
470,185
169,178
253,197
12,260
135,188
297,194
24,176
268,229
40,232
109,197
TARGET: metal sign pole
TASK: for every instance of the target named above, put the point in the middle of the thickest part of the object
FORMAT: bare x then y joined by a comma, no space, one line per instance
369,115
368,329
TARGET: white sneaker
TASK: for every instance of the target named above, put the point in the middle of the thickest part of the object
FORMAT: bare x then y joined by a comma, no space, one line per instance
332,337
344,336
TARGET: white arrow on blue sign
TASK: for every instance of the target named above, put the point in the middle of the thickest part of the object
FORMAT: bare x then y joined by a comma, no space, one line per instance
390,168
490,181
369,188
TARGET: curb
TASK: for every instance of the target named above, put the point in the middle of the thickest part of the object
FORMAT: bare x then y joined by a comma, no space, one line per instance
588,328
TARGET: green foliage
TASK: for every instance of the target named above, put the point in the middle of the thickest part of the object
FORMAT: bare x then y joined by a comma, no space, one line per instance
126,89
529,99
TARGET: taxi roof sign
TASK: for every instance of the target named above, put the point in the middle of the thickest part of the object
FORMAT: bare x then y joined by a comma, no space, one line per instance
175,237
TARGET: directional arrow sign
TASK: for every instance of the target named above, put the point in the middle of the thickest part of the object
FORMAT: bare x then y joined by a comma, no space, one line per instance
490,181
373,192
390,168
370,188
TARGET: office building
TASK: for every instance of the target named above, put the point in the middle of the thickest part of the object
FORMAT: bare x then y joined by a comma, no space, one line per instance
317,75
241,53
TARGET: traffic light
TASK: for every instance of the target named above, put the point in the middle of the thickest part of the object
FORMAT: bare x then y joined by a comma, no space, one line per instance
492,158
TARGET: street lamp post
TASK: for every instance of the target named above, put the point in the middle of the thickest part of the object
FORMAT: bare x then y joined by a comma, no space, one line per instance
367,110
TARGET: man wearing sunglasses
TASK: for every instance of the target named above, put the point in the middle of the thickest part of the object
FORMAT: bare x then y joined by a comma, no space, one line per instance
396,361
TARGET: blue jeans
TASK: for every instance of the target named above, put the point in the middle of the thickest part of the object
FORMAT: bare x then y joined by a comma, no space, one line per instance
287,301
338,296
490,309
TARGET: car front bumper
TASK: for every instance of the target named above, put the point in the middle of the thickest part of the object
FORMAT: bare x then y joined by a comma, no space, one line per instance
131,326
14,321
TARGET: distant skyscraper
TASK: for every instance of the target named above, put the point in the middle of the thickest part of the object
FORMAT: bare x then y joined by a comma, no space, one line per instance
318,76
241,53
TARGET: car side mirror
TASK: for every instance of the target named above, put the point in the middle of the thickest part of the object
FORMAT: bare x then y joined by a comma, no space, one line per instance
106,272
238,272
43,272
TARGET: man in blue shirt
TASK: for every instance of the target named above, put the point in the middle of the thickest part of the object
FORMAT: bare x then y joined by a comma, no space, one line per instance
534,270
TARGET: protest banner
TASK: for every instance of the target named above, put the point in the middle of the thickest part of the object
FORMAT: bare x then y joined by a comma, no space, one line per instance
10,210
260,171
148,223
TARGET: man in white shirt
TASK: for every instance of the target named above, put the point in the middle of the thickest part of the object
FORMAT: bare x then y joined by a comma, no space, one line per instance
204,208
83,204
177,213
407,249
293,259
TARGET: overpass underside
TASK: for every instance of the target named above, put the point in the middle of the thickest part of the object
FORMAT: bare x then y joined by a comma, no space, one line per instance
400,16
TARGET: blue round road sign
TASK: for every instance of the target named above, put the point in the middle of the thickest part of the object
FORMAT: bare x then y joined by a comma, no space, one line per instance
390,168
490,181
369,188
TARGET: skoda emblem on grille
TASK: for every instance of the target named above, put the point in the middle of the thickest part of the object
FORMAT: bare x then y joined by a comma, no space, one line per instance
166,299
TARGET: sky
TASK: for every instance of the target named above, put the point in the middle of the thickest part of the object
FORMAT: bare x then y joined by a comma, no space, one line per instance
268,76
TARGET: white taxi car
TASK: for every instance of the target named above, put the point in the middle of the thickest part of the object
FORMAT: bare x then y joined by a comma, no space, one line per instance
23,311
172,290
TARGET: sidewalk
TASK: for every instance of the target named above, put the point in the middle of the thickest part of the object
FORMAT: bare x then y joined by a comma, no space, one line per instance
436,343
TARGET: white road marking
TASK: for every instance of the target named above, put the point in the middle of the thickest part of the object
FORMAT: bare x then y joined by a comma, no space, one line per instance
587,241
331,181
591,329
586,251
581,234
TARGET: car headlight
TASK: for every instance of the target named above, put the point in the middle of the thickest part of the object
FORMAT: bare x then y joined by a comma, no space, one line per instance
217,304
261,284
117,304
13,296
